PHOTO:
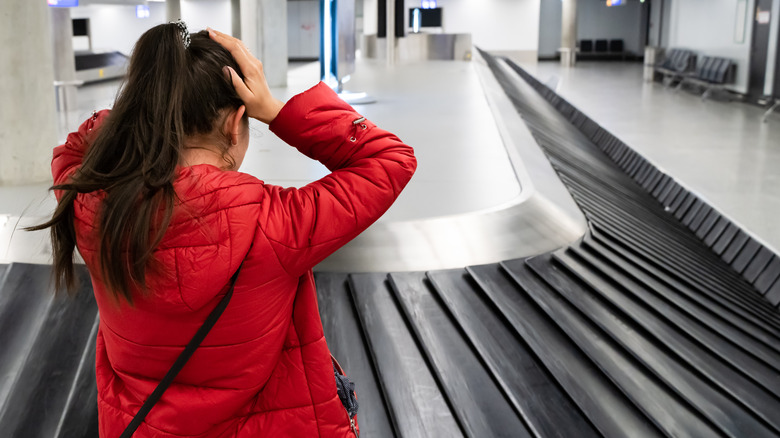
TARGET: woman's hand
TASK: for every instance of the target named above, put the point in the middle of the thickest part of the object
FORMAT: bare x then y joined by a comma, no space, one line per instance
253,90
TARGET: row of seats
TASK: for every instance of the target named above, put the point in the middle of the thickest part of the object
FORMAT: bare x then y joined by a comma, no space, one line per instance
677,61
685,67
601,48
716,70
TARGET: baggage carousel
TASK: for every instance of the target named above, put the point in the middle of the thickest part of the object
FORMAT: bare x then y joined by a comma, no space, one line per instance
92,67
660,319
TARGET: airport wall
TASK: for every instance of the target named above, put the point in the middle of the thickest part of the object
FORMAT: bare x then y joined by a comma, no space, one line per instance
207,13
506,27
666,15
303,29
708,27
502,26
369,17
626,22
594,21
116,27
550,17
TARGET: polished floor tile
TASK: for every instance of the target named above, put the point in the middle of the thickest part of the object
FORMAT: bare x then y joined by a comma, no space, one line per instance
719,149
439,108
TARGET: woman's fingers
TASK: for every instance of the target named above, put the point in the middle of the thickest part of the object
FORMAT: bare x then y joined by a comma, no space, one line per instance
253,89
233,45
249,65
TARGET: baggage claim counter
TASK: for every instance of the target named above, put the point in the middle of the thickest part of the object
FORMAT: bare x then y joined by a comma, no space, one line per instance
95,66
425,39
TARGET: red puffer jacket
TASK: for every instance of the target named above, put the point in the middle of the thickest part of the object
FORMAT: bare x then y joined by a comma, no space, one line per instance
265,369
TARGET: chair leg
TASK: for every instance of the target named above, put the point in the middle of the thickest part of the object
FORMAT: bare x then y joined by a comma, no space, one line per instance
706,93
770,111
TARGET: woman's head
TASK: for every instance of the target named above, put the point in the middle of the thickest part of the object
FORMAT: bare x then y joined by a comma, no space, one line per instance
176,97
185,84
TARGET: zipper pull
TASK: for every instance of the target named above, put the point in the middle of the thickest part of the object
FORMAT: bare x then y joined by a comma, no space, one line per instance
352,425
92,120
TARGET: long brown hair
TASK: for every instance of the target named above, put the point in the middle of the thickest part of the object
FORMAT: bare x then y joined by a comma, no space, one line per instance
170,92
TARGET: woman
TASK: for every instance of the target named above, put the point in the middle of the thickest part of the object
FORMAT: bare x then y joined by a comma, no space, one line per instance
150,195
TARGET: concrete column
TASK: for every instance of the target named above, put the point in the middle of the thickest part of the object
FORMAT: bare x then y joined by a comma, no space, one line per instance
28,126
173,10
390,32
64,59
569,33
235,18
264,31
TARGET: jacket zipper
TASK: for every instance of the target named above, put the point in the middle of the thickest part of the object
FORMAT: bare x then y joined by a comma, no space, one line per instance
352,425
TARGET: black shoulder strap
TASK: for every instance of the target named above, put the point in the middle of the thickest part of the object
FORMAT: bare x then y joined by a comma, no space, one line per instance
185,355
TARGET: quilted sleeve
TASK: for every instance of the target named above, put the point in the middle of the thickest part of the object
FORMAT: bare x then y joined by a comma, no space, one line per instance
369,168
67,157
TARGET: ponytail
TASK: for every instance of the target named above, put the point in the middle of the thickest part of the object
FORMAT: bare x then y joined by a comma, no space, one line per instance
170,92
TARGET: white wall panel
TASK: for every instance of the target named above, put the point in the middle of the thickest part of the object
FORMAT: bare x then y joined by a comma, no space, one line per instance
597,21
505,25
707,27
303,29
594,21
550,17
369,17
115,27
199,14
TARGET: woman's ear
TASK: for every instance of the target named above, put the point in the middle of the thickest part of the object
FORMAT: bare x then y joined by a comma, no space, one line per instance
234,124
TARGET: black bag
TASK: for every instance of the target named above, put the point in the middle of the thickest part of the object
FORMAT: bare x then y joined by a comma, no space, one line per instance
345,389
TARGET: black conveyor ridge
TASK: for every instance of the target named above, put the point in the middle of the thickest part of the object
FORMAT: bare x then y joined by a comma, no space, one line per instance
647,327
87,61
758,265
47,358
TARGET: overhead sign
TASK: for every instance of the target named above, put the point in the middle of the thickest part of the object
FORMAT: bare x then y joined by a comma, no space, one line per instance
63,3
763,17
142,11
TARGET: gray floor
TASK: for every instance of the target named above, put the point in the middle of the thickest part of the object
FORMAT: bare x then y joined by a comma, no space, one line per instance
467,189
437,107
718,149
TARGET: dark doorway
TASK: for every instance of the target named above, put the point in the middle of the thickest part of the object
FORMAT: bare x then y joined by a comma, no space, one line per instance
759,48
381,31
381,19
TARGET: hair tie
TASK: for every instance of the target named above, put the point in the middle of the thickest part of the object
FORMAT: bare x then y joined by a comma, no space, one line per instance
183,32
